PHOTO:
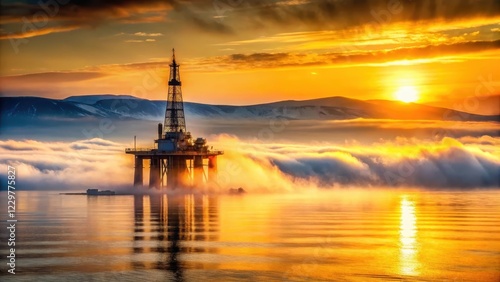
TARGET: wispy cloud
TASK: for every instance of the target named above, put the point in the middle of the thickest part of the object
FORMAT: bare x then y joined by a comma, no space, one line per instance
38,32
140,41
148,34
140,34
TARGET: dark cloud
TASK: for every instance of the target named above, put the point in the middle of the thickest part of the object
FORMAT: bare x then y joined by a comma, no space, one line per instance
52,77
330,14
204,23
15,148
81,10
45,167
259,57
347,13
99,142
272,60
429,51
30,18
79,147
226,16
46,17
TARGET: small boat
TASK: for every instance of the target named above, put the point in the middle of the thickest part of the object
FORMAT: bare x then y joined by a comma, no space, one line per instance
96,192
234,191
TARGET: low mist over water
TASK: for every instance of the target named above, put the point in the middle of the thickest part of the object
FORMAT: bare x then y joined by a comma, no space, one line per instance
445,163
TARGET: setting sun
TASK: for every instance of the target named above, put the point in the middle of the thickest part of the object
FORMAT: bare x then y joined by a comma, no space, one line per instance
407,94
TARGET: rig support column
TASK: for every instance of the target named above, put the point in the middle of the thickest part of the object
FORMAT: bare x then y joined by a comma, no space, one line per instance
138,179
177,172
154,173
173,172
198,171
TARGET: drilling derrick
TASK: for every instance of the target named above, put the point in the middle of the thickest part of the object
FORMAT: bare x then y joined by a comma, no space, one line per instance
176,161
174,114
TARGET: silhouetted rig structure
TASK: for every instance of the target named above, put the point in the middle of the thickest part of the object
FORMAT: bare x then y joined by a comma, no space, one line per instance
177,161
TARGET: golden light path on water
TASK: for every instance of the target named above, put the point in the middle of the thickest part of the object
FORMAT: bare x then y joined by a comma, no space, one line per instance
409,264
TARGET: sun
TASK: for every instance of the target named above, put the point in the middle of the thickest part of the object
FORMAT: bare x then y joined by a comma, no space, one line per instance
406,94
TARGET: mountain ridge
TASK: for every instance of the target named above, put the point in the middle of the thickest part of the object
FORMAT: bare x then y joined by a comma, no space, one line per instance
126,106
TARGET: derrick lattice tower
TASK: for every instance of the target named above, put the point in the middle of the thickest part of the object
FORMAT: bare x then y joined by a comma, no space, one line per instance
175,121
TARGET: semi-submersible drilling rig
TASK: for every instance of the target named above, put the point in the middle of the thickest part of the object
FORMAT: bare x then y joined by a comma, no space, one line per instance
176,161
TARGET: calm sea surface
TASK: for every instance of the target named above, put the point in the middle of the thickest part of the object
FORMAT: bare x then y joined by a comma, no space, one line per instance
350,235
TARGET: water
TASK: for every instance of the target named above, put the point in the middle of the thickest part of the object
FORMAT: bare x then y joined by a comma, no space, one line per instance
352,235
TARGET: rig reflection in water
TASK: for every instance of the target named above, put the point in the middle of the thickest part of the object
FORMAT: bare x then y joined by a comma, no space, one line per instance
169,220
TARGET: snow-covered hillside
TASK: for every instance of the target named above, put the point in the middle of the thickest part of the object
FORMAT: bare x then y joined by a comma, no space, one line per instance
122,106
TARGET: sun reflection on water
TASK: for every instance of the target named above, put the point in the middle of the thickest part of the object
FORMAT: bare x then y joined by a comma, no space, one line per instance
408,238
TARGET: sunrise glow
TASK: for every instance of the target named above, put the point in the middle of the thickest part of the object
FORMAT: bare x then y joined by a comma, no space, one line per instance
407,94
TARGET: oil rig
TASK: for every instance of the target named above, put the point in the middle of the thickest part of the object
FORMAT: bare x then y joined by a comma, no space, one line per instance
177,161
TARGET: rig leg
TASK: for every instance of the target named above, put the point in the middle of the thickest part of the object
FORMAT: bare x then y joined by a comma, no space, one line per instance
154,173
138,179
177,172
173,172
198,171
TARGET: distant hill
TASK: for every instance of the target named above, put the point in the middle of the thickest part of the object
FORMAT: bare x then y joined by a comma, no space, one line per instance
91,99
124,106
36,108
489,105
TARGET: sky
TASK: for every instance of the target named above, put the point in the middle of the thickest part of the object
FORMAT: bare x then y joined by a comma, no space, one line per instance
248,52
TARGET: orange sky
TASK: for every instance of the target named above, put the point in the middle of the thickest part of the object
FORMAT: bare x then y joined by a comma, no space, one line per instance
247,52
